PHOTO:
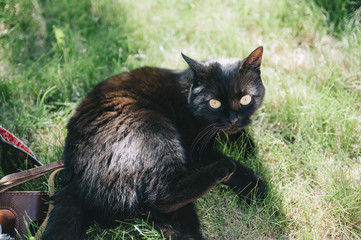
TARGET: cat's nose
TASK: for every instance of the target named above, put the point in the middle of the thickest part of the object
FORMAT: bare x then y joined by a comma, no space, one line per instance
232,119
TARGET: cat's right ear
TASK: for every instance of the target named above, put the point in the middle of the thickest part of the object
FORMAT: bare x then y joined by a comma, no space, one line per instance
254,59
197,67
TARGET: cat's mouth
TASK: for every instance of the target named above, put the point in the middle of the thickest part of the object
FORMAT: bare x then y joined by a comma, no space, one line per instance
235,128
231,130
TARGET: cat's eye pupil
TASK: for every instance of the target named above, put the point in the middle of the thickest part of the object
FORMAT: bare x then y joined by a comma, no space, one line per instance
215,103
245,100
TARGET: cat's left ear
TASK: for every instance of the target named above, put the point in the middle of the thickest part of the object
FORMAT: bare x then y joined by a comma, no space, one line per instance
254,59
194,65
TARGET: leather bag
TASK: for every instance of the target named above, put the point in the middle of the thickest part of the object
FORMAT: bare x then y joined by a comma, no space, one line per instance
20,210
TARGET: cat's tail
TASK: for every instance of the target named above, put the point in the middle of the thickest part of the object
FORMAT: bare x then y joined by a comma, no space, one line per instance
68,219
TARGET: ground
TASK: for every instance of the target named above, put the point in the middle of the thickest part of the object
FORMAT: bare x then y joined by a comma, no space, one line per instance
308,130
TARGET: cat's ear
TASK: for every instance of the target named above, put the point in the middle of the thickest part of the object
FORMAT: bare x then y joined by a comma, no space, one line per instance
254,59
194,65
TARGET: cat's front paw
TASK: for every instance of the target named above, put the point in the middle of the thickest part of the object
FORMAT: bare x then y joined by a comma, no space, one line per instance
224,169
256,190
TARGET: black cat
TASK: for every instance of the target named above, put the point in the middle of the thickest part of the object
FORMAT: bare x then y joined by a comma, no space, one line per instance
142,144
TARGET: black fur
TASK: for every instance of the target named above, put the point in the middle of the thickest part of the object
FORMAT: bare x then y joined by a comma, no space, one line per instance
142,143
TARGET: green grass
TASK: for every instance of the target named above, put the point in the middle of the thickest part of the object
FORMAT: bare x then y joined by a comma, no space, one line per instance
308,130
337,11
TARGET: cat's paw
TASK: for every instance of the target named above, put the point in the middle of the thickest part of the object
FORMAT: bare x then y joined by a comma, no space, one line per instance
224,169
256,190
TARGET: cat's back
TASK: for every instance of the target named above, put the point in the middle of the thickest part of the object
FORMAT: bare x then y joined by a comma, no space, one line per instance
126,96
138,87
122,130
142,98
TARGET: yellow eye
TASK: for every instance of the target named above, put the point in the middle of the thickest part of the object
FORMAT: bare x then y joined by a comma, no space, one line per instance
245,100
215,103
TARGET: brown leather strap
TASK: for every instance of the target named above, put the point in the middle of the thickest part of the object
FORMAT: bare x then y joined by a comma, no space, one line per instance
18,178
51,184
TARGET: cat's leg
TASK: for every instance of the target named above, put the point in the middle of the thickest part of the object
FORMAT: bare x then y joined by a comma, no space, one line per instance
67,220
189,188
246,183
181,224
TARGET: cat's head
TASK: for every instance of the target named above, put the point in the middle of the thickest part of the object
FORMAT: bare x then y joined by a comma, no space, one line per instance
226,92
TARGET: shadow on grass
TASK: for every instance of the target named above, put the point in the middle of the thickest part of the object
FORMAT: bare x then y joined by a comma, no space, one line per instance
66,44
257,219
54,53
340,14
86,49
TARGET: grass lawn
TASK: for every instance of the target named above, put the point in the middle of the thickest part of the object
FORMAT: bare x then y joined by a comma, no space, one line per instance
308,130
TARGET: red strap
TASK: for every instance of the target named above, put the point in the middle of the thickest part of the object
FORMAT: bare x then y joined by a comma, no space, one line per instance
10,138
